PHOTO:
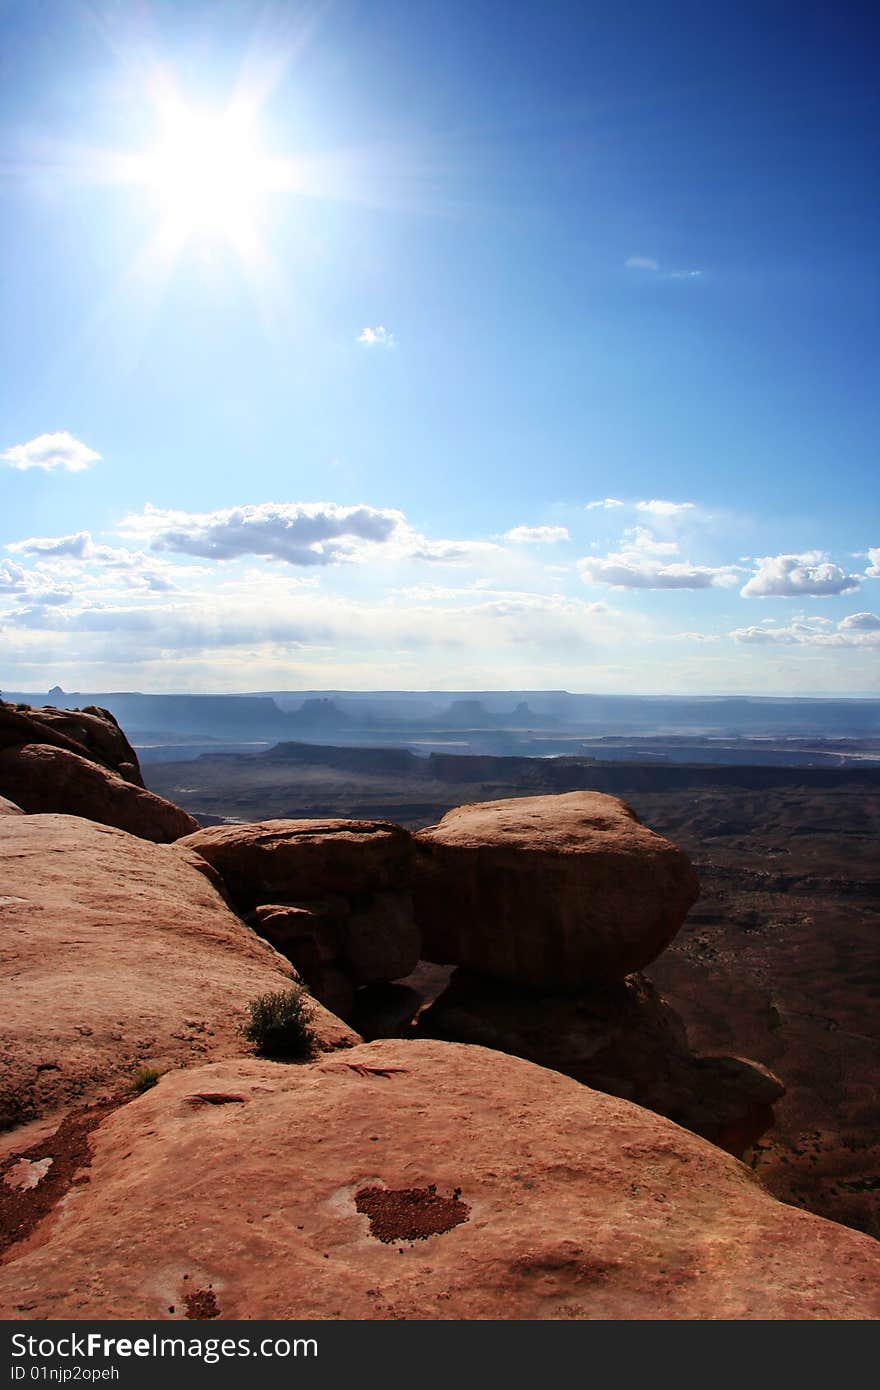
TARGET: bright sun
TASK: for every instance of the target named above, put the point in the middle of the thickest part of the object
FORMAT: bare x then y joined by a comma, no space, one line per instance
210,174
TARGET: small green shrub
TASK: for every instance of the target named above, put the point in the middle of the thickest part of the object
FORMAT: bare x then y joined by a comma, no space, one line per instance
280,1025
144,1080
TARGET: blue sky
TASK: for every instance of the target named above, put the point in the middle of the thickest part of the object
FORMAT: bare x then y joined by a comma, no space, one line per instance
328,328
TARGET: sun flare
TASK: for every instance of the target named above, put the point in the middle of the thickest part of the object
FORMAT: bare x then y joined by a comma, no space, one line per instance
210,174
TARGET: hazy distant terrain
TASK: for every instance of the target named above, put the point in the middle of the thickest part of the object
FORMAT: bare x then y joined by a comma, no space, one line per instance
752,731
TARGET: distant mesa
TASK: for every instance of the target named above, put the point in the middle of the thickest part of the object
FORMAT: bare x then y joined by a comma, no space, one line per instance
319,714
473,714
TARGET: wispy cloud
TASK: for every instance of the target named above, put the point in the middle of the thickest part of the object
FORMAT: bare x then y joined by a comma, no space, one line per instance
649,263
640,539
857,630
873,570
448,552
537,535
643,562
796,576
657,507
606,504
376,337
50,451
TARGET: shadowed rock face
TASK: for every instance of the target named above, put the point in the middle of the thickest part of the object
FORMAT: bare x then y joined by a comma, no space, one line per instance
9,808
620,1038
452,1183
332,896
47,780
119,953
553,892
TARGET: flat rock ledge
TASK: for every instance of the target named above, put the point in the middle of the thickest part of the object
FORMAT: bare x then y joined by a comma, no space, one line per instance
420,1180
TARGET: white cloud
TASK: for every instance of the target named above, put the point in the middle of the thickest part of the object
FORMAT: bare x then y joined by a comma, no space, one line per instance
860,622
72,554
77,545
606,503
13,579
448,552
642,263
763,635
639,538
537,535
301,533
657,507
686,274
376,337
633,572
874,563
48,451
859,630
643,563
797,576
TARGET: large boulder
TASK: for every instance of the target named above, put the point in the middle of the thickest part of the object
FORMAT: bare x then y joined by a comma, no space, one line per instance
622,1038
117,953
413,1180
93,733
296,860
553,892
98,731
332,895
9,808
44,779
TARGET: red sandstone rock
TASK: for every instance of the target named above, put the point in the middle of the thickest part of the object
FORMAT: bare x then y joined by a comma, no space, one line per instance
9,808
99,733
554,892
297,860
421,1180
117,953
336,948
348,911
92,733
307,933
49,780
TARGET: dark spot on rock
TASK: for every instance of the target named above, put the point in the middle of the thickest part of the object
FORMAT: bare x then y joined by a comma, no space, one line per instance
410,1213
201,1303
22,1209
